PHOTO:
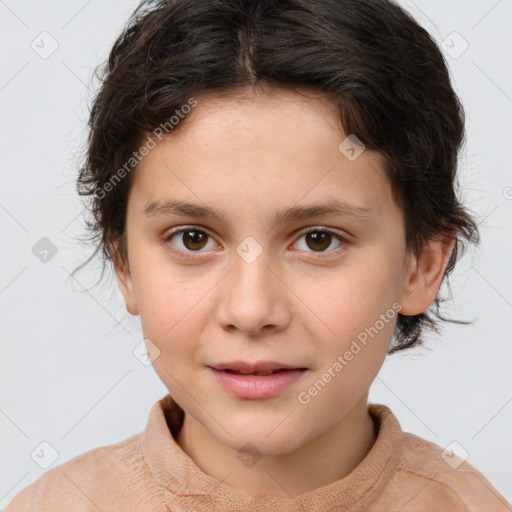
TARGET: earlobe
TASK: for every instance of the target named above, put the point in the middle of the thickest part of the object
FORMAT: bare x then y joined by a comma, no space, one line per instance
425,274
124,281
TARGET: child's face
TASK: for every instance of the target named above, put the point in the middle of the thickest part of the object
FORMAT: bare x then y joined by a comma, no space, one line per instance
302,302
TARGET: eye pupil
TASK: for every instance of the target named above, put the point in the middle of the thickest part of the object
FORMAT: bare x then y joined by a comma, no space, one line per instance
318,237
192,238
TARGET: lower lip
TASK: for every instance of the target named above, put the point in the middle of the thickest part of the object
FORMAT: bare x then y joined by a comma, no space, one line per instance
257,386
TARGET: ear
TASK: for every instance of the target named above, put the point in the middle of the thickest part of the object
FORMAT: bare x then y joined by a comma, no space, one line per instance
425,273
124,279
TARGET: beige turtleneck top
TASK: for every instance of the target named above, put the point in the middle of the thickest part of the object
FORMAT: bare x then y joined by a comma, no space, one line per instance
150,472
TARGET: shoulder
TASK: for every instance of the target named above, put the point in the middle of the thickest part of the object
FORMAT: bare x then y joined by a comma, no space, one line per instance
87,481
430,476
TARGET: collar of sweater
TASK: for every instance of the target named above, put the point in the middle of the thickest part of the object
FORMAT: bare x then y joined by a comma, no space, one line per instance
172,468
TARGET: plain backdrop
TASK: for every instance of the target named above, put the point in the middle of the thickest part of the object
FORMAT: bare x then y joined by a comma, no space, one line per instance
68,373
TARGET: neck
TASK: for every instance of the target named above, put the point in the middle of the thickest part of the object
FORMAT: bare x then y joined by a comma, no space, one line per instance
325,459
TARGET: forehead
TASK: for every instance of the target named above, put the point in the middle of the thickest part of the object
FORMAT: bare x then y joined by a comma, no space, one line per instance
256,116
254,149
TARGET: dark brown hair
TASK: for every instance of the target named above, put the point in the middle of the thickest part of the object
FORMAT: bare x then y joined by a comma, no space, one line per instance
382,71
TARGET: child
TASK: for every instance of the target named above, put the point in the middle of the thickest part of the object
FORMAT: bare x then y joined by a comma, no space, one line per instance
228,138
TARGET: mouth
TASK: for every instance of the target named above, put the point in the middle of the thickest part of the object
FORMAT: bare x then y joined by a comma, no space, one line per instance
261,374
262,367
256,380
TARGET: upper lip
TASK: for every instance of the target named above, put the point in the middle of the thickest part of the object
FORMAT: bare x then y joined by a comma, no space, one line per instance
262,366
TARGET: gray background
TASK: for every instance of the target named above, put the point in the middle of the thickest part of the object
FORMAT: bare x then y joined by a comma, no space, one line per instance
68,373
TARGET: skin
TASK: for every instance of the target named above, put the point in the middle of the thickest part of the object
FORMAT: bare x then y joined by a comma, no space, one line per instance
300,302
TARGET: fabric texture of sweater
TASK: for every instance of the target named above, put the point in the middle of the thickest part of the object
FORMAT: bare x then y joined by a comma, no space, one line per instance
150,472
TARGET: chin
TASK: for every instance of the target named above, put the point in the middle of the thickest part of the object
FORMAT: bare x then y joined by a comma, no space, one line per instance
253,436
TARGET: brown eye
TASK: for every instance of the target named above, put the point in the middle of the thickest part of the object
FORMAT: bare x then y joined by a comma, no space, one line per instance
189,240
318,240
194,239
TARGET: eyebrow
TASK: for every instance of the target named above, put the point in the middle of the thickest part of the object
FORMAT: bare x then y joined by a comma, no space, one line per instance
333,207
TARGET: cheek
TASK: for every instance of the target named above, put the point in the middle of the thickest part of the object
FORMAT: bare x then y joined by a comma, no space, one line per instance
350,363
352,300
175,327
168,303
357,322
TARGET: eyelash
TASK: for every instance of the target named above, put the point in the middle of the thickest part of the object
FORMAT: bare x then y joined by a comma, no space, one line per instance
191,254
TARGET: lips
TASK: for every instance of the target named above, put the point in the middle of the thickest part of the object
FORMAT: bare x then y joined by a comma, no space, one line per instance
256,381
257,384
261,374
260,368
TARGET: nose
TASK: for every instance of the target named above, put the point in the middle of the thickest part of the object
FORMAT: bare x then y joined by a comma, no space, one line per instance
253,298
